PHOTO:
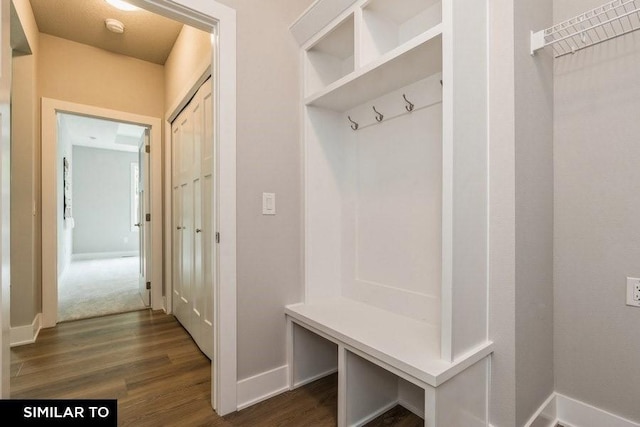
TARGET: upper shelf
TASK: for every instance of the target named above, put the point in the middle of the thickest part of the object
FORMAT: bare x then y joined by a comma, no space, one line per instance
389,24
418,58
587,29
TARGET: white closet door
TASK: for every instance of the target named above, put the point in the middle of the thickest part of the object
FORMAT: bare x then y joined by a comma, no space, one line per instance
207,225
195,108
184,219
193,225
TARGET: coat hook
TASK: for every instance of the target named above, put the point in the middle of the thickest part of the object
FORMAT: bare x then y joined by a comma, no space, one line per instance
379,115
354,125
409,107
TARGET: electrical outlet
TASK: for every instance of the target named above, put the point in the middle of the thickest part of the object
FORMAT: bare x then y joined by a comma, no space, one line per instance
633,292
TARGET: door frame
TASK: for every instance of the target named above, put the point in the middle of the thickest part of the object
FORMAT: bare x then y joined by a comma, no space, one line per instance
220,21
50,171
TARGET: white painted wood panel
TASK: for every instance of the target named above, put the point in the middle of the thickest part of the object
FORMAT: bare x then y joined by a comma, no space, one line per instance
325,168
398,187
207,226
465,118
387,26
396,205
193,218
371,390
331,58
314,357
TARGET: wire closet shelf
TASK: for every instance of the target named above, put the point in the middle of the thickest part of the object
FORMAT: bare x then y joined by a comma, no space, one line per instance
603,23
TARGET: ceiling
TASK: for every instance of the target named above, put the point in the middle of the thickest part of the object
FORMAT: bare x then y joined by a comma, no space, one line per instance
101,133
147,36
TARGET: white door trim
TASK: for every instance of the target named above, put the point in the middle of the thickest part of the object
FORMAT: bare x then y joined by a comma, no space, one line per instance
5,187
220,20
50,170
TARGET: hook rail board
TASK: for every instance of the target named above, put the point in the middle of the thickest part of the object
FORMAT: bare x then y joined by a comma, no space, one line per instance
595,26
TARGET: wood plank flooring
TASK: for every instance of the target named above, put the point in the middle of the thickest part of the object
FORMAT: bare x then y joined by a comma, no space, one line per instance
150,364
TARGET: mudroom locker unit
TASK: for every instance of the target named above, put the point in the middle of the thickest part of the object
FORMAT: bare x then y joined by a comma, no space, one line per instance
394,131
192,192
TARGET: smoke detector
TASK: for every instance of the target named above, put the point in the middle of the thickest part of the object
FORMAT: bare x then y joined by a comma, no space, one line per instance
114,26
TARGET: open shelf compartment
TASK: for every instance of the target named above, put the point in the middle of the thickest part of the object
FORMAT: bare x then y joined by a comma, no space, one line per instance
332,57
389,24
371,391
409,63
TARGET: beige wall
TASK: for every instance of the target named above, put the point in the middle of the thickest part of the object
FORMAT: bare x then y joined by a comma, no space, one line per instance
597,245
75,72
268,160
25,177
190,56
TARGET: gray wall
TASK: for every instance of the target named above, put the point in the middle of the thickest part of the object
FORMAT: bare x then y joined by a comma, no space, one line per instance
534,211
268,149
502,410
521,213
102,201
597,239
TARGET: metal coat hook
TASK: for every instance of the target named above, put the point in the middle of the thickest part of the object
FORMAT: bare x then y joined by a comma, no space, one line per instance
409,107
354,125
379,115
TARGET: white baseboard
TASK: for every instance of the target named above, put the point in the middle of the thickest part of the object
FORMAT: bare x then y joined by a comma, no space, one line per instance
27,334
411,408
315,378
570,412
103,255
375,414
262,386
546,411
573,413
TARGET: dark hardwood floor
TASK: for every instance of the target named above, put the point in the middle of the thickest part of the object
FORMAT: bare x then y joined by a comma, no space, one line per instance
152,366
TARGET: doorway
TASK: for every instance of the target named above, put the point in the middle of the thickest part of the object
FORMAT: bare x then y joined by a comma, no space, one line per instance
53,113
101,232
220,21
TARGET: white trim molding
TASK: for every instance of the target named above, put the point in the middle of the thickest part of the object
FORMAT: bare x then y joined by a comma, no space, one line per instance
570,412
50,109
27,334
262,386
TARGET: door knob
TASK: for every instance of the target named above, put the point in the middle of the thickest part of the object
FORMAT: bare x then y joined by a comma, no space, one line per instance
198,230
178,228
137,225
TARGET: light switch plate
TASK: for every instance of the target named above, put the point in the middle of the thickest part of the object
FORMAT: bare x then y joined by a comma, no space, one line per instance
268,203
633,292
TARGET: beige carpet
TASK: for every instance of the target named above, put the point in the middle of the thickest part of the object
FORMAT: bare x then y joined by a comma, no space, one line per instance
98,287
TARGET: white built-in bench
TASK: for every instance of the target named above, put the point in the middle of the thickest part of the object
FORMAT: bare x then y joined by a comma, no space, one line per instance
394,130
382,358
